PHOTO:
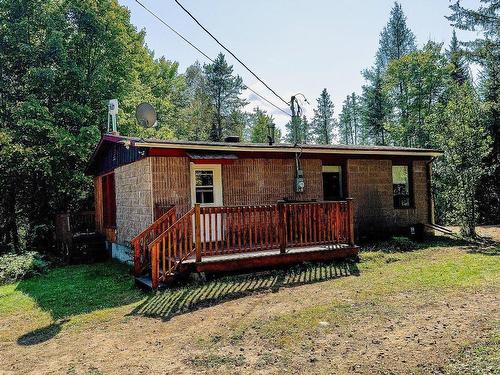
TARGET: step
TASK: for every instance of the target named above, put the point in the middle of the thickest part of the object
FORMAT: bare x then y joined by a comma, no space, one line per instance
144,282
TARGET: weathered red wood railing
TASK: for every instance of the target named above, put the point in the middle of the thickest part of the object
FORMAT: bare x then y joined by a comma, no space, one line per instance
172,246
209,231
141,242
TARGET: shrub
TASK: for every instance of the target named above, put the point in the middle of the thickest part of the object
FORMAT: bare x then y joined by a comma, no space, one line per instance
14,267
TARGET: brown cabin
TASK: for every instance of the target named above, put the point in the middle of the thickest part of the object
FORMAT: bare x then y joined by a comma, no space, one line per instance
207,206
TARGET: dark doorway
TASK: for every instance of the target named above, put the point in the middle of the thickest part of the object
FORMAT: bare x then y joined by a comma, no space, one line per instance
332,186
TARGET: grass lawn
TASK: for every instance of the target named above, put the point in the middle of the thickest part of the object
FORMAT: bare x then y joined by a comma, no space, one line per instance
431,310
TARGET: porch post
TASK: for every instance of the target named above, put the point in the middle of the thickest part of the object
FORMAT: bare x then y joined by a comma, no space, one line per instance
154,266
350,221
282,226
197,231
137,258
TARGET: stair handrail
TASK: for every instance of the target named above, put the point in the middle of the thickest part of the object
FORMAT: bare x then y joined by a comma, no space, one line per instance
164,239
141,242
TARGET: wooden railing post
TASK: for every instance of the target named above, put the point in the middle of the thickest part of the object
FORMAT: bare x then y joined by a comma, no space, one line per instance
282,226
137,257
350,221
154,266
197,230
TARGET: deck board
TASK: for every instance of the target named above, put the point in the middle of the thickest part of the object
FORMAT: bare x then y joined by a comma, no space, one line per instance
265,253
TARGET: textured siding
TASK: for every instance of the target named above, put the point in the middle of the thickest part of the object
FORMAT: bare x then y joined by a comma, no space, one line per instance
264,181
171,182
133,199
370,184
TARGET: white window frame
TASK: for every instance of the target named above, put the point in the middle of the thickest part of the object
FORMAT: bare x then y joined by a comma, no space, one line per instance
217,183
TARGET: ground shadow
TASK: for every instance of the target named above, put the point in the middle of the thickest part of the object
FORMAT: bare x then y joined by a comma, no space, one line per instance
41,334
194,296
72,290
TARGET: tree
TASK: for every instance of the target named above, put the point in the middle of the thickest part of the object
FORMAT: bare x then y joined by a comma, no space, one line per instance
259,128
374,107
396,39
224,90
300,135
423,74
323,122
60,62
485,50
458,67
458,129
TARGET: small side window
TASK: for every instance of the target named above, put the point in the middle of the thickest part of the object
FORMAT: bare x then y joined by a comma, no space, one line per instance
401,186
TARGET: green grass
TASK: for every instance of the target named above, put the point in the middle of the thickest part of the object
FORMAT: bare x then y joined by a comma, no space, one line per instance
72,290
72,294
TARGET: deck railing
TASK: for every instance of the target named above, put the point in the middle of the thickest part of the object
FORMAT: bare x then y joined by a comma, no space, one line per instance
141,242
209,231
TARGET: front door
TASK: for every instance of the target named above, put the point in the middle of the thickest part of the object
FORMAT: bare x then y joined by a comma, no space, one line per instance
332,183
206,189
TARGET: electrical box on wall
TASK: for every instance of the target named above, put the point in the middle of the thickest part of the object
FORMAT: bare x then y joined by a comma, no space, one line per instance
299,181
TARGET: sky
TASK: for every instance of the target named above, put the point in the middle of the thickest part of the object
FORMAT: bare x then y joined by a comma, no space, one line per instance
294,46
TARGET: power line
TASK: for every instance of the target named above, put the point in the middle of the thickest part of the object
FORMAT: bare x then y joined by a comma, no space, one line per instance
204,54
231,53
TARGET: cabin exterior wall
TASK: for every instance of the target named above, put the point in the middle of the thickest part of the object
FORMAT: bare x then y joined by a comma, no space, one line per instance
370,184
134,207
171,182
265,181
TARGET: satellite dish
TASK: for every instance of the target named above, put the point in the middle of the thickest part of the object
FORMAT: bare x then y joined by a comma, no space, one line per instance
146,115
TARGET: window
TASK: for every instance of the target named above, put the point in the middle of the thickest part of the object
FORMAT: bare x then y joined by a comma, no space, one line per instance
401,186
204,186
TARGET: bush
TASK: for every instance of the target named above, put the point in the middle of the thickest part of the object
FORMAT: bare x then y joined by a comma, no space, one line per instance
14,267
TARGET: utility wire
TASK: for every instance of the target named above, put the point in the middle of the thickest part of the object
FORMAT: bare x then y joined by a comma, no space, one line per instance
206,56
231,53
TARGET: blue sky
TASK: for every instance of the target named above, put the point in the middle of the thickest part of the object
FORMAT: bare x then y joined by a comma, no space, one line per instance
295,46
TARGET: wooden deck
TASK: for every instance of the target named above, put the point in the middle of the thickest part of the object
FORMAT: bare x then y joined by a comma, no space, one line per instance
269,258
217,239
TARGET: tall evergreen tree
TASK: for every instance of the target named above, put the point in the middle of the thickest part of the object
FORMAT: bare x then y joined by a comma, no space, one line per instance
300,135
224,90
259,127
374,107
459,70
323,121
346,131
396,39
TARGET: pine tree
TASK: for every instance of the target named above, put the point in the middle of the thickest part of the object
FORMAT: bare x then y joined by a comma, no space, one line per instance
224,90
323,122
374,107
346,132
396,39
459,70
301,135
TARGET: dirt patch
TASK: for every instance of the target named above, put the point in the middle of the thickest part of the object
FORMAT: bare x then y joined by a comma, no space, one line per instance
390,319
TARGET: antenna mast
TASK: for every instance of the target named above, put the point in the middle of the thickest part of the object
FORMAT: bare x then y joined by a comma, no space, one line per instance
112,115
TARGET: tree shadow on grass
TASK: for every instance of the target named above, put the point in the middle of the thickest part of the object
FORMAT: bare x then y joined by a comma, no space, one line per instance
194,296
67,291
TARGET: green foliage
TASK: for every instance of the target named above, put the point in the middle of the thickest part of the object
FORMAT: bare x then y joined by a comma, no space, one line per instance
351,130
223,90
299,132
458,128
15,267
424,75
323,121
259,127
